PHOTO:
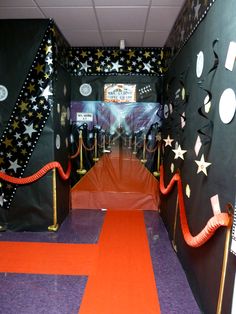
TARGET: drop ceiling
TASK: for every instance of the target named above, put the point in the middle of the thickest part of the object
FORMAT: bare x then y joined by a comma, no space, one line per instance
93,23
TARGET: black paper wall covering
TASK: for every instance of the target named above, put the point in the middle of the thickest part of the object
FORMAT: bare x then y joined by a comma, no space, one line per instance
34,122
204,120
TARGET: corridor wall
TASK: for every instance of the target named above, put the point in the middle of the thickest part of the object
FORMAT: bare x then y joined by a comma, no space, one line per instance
34,122
199,110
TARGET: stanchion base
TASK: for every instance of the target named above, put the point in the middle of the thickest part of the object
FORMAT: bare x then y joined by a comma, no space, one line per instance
3,228
143,161
81,171
156,174
174,246
95,159
53,227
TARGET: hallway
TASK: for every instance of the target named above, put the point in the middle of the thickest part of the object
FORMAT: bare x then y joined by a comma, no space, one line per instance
100,261
62,293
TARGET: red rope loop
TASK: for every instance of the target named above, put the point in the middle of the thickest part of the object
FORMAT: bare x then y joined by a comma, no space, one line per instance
76,154
215,222
88,148
39,174
151,150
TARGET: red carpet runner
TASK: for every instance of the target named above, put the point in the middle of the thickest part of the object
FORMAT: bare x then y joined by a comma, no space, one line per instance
121,279
117,182
123,282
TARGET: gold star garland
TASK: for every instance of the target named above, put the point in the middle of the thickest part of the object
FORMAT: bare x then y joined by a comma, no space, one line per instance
28,117
105,61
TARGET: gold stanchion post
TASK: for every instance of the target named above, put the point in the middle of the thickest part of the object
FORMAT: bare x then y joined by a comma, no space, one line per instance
175,223
81,170
95,158
144,160
55,225
224,264
157,173
135,146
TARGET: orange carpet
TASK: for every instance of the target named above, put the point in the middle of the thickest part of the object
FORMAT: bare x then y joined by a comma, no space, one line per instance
123,282
121,279
117,181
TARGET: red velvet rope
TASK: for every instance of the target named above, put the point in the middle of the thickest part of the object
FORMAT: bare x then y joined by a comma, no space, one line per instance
39,174
87,148
215,222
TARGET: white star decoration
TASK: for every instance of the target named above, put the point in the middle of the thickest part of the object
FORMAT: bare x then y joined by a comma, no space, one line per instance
179,153
116,66
147,66
29,129
14,165
168,141
202,165
46,92
85,66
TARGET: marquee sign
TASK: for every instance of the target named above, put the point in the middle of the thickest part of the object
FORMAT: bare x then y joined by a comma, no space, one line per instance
120,93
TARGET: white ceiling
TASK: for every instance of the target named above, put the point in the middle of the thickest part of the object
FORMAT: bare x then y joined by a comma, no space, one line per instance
142,23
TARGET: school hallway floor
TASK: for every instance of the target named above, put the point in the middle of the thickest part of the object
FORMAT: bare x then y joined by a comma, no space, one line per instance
99,262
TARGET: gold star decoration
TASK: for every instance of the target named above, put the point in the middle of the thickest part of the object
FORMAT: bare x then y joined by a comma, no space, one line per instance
48,49
31,87
179,152
115,53
202,165
15,124
23,106
24,151
147,54
39,68
99,53
1,160
131,53
7,142
9,186
39,115
98,69
84,54
46,76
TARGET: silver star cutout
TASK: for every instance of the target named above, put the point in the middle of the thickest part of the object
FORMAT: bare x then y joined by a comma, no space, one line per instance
179,153
46,92
168,141
116,66
29,129
14,165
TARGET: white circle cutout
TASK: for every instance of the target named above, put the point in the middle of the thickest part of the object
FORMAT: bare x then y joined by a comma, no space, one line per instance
58,141
3,93
227,105
166,111
199,64
85,89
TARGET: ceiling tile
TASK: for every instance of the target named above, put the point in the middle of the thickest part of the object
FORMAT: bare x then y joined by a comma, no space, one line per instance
162,18
132,38
20,13
121,18
17,3
155,39
121,2
75,18
172,3
63,3
82,38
